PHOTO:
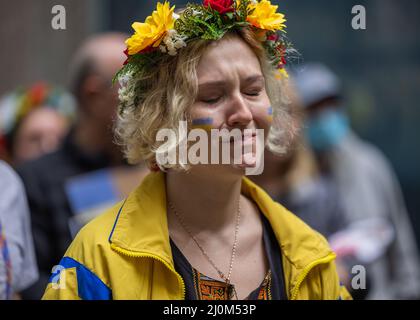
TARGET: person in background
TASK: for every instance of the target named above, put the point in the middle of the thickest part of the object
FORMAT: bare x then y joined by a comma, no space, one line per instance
18,269
34,121
368,187
295,181
67,187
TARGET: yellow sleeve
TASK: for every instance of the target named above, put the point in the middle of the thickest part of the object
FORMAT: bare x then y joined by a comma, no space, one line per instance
344,294
63,286
323,283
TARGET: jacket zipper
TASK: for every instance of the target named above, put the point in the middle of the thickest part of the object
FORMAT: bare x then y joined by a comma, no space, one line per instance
154,257
306,270
295,290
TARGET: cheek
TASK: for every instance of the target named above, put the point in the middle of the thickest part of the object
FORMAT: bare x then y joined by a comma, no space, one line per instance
263,116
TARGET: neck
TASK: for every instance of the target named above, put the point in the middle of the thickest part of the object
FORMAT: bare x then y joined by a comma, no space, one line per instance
274,177
206,201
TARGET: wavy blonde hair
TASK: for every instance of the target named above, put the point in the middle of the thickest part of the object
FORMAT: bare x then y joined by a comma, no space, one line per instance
162,97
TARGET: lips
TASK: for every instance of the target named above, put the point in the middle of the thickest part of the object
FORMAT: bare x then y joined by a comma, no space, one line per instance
249,140
245,137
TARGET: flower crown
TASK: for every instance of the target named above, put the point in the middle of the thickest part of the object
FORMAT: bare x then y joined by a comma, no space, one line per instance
165,32
18,104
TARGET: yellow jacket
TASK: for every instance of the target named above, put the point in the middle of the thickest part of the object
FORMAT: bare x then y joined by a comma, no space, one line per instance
125,253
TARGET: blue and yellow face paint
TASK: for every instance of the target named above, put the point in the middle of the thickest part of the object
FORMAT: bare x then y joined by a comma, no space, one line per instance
203,123
270,114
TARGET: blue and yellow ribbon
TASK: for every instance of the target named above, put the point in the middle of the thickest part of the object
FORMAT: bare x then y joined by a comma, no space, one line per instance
6,257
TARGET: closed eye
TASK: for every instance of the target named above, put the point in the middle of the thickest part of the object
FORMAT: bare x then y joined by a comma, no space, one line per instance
253,93
211,101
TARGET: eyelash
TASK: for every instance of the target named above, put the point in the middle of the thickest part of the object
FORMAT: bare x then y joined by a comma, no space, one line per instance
212,101
216,100
254,94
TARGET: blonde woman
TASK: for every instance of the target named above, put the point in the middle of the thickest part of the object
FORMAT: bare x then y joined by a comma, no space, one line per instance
200,231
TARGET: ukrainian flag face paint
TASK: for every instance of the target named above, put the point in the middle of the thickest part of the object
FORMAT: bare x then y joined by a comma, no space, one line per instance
270,114
203,123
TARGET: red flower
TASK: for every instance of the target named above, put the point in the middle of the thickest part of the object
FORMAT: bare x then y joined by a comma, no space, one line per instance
222,6
273,37
147,50
283,60
128,57
37,93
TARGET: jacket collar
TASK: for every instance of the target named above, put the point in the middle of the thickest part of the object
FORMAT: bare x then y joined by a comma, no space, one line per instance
141,225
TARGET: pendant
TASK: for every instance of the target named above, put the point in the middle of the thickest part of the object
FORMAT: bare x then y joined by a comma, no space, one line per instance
232,294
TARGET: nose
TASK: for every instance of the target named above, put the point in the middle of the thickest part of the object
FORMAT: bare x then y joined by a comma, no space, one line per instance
48,143
240,115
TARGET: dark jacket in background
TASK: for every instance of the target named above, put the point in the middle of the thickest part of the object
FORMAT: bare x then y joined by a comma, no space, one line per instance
44,181
316,201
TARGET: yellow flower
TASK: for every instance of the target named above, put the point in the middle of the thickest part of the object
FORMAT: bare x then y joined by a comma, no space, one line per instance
281,74
265,16
153,30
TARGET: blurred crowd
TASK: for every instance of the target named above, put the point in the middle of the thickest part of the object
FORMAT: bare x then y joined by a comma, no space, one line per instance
60,167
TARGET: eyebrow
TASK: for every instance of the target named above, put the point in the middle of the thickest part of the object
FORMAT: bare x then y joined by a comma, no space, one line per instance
222,83
255,78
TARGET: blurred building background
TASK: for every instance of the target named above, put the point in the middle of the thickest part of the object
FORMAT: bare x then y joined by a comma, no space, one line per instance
380,66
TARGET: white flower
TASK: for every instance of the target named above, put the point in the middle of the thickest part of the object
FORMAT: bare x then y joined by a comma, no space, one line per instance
125,79
170,46
180,44
171,33
126,92
172,42
172,52
195,12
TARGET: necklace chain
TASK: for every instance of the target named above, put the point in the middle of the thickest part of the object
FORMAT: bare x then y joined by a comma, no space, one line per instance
235,243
